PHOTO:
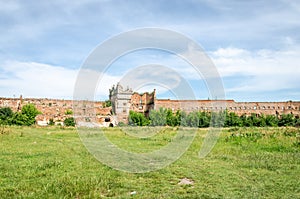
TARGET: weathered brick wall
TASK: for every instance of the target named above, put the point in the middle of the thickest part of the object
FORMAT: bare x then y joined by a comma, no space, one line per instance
56,108
142,103
266,108
93,111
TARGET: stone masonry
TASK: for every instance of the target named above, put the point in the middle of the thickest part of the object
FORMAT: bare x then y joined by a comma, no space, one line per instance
59,109
124,100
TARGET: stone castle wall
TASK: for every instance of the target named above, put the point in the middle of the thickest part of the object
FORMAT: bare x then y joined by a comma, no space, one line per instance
57,109
142,103
240,108
87,111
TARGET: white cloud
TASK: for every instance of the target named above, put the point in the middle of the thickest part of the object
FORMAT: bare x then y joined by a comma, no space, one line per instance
268,70
32,79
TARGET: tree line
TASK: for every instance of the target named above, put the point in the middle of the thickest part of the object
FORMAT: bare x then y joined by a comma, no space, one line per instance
165,117
25,117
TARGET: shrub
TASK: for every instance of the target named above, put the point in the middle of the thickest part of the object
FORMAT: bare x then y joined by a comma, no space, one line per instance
68,112
107,103
158,117
6,115
26,117
286,120
51,122
121,124
138,119
20,119
70,121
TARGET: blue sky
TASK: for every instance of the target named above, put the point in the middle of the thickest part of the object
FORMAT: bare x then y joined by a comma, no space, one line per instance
255,45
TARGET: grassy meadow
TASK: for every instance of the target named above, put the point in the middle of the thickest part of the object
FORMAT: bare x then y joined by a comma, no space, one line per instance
52,162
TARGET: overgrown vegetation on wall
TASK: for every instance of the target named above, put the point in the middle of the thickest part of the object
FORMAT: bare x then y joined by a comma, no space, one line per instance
107,103
163,117
24,118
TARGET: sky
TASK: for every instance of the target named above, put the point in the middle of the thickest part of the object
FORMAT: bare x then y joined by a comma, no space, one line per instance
254,45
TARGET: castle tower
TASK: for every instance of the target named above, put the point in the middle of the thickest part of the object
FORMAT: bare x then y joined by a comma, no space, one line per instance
120,100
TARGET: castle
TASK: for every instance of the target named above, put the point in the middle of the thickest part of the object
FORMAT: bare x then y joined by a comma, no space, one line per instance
124,99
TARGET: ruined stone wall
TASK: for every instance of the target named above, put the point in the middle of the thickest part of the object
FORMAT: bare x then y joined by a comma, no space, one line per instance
142,103
266,108
56,109
87,111
240,108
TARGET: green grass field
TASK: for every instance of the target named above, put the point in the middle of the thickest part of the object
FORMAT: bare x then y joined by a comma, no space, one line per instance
52,162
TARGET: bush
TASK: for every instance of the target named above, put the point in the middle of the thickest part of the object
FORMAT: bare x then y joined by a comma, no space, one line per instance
107,103
158,117
138,119
6,115
26,117
29,111
70,121
51,122
286,120
68,112
121,124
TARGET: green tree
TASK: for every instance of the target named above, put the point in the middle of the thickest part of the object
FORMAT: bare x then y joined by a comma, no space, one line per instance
193,119
181,118
286,120
218,119
204,119
138,119
20,119
6,115
26,116
297,122
232,119
271,120
171,119
158,117
30,111
243,119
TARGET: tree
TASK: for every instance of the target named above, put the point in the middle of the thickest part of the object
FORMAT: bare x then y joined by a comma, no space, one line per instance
271,120
171,119
193,119
30,111
204,119
232,119
286,120
26,116
218,119
297,122
6,115
181,118
138,119
158,118
70,121
20,119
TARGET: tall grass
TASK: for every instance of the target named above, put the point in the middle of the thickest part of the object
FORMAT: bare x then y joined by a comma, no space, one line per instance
245,163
